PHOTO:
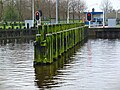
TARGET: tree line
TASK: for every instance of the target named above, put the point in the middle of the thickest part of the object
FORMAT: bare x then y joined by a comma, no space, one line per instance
20,10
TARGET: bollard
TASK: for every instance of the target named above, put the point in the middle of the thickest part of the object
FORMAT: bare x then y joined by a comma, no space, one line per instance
49,53
12,25
34,25
20,25
4,26
39,29
27,25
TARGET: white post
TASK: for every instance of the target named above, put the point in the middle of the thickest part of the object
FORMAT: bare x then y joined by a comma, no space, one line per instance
96,22
116,14
56,11
89,24
68,14
103,18
39,22
33,13
32,9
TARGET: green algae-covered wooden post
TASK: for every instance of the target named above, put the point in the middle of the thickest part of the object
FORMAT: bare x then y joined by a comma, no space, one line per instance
53,40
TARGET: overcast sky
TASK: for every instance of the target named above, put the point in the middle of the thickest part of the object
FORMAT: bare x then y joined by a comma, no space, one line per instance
96,4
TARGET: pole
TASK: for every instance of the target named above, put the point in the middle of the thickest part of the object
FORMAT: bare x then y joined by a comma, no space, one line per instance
33,11
103,18
68,14
116,14
40,22
89,24
56,11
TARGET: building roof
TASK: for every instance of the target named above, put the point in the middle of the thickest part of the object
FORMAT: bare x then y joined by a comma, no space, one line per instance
94,13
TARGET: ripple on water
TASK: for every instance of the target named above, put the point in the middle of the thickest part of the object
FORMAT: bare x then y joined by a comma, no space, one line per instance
16,67
94,66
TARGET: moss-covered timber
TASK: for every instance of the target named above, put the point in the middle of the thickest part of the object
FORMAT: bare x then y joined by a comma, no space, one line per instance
53,40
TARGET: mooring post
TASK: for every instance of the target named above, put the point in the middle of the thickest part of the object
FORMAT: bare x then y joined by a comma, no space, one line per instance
65,39
49,58
59,40
40,46
72,37
4,26
62,38
68,39
20,25
56,39
12,25
37,48
49,44
53,40
79,34
51,31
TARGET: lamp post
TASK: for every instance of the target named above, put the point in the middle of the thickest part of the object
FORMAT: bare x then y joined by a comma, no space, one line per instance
56,11
32,1
68,15
32,9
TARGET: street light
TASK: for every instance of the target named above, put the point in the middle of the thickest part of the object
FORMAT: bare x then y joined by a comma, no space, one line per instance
32,12
56,11
68,15
32,9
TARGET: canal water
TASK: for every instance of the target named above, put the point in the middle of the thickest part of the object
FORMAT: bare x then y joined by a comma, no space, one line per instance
93,66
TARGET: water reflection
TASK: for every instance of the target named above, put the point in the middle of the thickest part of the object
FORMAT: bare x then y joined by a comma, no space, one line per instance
16,66
46,75
94,66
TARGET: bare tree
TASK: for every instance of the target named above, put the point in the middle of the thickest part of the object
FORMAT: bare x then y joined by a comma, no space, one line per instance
81,6
22,9
106,6
63,8
73,7
10,12
1,9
